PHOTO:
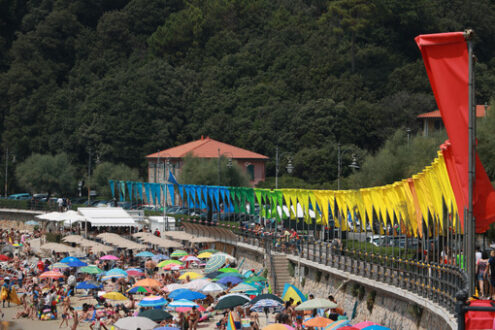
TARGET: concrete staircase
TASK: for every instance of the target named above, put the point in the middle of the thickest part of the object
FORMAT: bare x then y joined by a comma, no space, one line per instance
280,272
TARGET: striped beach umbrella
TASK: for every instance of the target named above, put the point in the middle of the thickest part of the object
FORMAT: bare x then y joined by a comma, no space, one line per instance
337,324
182,303
152,301
267,303
169,262
214,263
145,254
243,287
52,274
178,253
59,265
90,270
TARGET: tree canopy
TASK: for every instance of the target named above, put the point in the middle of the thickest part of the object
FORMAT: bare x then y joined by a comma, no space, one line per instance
47,173
122,79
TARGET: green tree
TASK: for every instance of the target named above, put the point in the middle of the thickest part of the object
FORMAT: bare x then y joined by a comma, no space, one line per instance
208,172
108,171
47,173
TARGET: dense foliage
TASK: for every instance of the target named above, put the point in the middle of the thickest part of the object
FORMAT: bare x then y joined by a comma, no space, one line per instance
121,79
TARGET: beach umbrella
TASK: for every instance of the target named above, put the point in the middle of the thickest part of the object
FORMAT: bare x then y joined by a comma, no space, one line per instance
178,253
198,284
243,287
148,282
191,275
173,286
267,303
189,258
318,322
182,303
189,295
152,301
168,262
228,270
364,324
59,265
173,267
87,286
266,296
256,279
337,324
166,328
73,262
134,272
205,255
209,250
214,263
138,289
109,257
213,275
213,287
230,279
230,302
145,254
291,291
349,327
114,273
222,275
159,257
135,322
242,295
178,291
226,255
114,296
187,309
52,274
32,223
90,270
376,327
316,303
3,257
278,326
156,315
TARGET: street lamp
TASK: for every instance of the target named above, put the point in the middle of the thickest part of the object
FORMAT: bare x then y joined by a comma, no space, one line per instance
353,165
166,165
289,166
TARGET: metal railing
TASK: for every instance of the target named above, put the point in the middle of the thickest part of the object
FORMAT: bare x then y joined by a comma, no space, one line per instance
440,283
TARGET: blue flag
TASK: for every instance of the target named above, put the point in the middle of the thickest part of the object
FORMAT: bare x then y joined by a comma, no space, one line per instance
171,178
129,189
112,188
171,193
147,188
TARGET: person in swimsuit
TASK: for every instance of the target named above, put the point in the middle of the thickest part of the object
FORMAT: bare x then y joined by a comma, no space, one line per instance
194,319
75,318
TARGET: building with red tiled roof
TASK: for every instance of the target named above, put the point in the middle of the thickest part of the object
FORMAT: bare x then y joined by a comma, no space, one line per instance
252,162
432,121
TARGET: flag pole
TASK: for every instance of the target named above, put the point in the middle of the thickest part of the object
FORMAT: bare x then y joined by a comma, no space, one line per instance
469,224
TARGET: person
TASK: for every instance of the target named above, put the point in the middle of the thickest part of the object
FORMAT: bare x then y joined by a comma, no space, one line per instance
97,324
194,318
182,321
75,318
71,282
491,273
65,312
481,272
5,293
236,316
60,203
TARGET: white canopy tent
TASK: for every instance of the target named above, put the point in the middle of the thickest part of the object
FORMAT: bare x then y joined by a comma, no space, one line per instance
107,216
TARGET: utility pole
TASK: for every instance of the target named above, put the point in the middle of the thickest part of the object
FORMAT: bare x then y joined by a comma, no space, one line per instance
470,228
276,167
6,170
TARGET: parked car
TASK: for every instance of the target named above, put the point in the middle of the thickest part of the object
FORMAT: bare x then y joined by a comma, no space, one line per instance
22,196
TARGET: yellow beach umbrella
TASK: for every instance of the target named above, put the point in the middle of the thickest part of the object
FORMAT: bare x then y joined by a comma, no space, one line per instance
205,255
191,275
114,296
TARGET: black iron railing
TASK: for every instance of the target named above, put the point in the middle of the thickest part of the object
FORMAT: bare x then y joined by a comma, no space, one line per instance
435,281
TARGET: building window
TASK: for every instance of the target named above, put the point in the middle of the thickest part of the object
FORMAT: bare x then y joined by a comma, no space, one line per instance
250,171
151,165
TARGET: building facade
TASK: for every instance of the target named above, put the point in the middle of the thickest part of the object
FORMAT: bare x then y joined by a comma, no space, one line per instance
207,148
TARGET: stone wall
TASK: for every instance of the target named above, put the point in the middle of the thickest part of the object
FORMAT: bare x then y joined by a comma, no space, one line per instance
389,307
386,309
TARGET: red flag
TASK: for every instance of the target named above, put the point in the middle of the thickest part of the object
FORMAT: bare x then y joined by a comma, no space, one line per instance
447,63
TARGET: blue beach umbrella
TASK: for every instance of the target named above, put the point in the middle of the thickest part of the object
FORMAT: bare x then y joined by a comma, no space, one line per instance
160,257
191,295
230,279
73,262
145,254
87,286
182,303
152,301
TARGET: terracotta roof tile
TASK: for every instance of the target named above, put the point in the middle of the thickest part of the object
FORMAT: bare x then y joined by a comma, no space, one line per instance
207,148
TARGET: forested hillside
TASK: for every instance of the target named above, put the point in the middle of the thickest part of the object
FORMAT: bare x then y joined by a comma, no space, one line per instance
126,78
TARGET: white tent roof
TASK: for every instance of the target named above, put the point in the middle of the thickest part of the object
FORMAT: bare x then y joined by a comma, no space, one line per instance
159,219
107,216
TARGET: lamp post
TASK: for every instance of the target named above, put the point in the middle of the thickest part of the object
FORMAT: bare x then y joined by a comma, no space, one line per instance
166,165
353,165
289,166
